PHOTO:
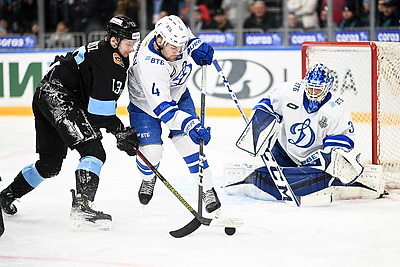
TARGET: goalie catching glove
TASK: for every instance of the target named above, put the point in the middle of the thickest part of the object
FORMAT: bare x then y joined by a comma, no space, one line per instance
127,141
345,165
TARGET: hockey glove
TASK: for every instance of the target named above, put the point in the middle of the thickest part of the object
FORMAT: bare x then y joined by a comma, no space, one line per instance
192,127
200,51
127,141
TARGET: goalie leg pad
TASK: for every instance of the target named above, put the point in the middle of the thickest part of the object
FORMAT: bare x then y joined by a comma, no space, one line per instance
370,185
307,182
241,179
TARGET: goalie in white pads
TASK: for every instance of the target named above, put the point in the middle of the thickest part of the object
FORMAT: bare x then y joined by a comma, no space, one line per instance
311,136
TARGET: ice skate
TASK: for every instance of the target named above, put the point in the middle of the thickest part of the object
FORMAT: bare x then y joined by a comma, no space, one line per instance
83,214
211,200
6,201
146,191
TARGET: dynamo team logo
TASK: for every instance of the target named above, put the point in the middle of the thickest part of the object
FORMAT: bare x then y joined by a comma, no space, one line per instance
304,134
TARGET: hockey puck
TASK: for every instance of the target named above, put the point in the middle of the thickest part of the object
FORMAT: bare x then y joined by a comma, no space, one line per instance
230,230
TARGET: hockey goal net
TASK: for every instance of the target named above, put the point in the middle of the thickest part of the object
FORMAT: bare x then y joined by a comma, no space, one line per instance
367,75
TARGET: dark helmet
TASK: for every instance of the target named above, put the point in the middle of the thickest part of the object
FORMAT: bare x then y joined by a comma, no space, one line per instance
122,27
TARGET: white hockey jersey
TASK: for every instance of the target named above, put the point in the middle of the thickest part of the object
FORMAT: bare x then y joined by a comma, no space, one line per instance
303,133
155,85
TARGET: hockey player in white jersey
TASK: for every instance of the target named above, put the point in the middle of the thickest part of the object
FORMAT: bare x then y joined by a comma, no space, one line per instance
311,136
158,93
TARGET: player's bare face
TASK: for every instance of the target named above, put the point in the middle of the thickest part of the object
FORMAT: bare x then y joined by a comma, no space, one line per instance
171,52
126,47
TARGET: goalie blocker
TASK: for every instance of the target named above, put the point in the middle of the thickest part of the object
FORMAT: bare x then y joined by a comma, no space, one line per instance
260,133
313,186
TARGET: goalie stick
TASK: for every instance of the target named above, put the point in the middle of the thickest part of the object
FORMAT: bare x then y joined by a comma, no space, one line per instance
274,170
198,219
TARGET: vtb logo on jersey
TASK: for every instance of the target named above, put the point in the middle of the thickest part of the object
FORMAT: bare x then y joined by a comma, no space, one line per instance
118,60
304,133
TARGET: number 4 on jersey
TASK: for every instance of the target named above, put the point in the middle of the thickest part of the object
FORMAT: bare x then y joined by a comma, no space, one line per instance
154,90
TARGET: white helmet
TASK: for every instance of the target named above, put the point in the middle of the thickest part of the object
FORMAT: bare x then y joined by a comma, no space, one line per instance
173,31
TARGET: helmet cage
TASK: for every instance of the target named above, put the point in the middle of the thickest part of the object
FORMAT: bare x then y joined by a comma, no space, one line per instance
319,77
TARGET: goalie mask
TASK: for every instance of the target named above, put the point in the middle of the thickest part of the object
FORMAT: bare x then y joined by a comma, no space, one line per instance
173,31
318,82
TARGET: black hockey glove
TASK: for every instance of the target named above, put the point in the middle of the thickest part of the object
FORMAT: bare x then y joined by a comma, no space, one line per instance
127,141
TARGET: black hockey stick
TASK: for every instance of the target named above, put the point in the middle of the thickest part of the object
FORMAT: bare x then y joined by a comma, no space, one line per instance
1,220
275,171
228,223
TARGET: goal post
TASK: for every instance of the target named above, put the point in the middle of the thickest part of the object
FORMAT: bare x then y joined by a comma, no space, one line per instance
367,75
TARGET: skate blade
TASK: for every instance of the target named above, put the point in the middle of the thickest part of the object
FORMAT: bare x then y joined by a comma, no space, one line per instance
82,224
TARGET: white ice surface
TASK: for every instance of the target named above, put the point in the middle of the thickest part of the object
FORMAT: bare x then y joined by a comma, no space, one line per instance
345,233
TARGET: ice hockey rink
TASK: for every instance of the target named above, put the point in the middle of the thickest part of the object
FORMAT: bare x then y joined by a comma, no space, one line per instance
344,233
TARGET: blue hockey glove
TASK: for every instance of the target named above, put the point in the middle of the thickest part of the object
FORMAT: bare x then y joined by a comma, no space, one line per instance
192,127
200,51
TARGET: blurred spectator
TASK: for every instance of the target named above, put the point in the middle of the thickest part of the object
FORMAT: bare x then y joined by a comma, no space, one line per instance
338,6
323,17
199,22
212,4
85,16
163,13
365,11
3,9
231,8
35,29
29,11
350,18
14,16
389,16
61,37
220,20
132,9
293,22
171,7
306,12
205,12
258,18
3,27
59,10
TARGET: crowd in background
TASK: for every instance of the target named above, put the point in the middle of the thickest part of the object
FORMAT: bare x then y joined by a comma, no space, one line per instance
62,16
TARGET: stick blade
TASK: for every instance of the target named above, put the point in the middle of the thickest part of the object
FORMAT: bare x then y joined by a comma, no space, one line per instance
189,228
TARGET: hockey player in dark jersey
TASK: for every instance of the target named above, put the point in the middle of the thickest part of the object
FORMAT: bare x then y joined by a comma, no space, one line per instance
73,101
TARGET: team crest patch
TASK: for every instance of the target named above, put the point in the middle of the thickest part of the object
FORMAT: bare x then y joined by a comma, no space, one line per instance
118,60
323,123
